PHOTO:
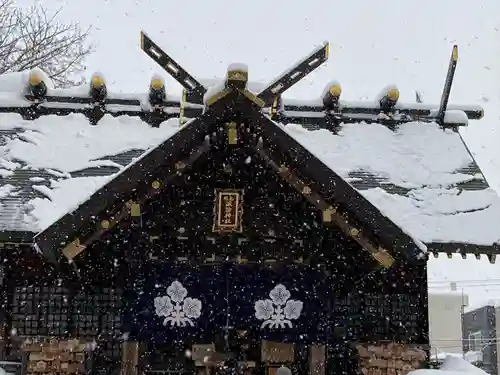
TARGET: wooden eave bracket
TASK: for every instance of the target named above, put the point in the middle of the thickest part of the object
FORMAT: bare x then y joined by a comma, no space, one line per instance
464,249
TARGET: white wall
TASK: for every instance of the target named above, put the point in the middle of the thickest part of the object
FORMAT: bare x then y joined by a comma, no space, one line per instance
445,322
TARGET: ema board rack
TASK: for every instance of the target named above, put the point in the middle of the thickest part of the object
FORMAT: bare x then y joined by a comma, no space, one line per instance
329,111
390,358
53,356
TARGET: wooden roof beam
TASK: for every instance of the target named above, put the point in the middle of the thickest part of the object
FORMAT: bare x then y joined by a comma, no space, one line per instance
330,214
300,70
174,69
110,218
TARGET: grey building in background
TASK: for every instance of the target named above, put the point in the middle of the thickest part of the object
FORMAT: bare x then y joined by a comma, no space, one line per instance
480,329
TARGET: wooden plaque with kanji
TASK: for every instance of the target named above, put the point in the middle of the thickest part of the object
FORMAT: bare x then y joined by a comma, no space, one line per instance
228,210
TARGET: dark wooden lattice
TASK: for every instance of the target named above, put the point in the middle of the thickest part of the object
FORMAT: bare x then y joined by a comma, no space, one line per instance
97,313
50,310
379,317
40,310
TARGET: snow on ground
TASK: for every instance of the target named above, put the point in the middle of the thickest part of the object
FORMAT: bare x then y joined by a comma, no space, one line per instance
470,357
452,365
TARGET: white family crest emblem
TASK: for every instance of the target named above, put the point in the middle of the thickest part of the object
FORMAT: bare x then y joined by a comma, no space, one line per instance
280,310
176,308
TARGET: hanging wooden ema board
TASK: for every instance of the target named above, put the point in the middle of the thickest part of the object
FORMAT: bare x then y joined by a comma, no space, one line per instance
228,210
50,356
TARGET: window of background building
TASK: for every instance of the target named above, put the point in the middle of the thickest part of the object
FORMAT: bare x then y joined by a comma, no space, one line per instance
475,341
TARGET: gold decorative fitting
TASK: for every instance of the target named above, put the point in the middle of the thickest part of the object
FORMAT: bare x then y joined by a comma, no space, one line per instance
217,96
105,224
306,190
232,133
354,232
73,249
335,90
237,75
383,257
283,169
35,78
454,54
254,98
239,259
180,165
157,83
182,118
393,94
328,213
135,210
155,184
274,107
96,81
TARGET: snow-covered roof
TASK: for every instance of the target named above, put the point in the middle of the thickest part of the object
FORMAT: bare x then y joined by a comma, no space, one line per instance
419,176
51,165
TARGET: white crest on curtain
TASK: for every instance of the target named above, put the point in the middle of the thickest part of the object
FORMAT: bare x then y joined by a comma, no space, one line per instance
176,307
279,310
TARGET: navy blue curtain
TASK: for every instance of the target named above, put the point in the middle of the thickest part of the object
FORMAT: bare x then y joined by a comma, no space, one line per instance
291,303
190,303
279,303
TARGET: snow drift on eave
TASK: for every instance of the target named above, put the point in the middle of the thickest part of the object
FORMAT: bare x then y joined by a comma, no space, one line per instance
39,159
59,147
423,159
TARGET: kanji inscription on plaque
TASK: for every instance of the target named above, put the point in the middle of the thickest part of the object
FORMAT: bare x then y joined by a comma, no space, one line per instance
228,210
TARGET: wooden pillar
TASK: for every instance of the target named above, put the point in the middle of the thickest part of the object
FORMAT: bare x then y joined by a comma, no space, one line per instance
8,289
277,354
130,358
317,360
72,311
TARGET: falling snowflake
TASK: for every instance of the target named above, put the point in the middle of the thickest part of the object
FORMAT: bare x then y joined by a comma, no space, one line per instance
176,308
280,310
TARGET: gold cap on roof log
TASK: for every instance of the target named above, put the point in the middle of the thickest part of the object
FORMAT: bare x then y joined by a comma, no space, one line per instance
237,76
37,86
35,77
98,91
332,95
157,83
97,81
389,98
157,91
